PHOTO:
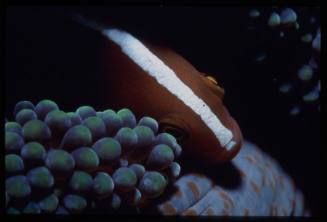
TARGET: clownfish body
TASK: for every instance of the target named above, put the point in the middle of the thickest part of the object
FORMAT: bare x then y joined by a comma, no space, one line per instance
155,81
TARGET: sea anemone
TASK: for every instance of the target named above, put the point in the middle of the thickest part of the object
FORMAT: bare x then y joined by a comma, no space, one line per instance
85,161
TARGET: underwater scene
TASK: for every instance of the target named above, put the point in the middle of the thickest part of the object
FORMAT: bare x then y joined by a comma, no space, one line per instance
162,110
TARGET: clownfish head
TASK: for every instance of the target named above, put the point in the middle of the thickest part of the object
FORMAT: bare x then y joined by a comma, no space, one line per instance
154,80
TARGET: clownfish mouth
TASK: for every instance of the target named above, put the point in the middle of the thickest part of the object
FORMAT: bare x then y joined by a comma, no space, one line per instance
135,50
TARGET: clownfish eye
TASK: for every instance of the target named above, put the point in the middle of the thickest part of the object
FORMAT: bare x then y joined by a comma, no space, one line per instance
175,131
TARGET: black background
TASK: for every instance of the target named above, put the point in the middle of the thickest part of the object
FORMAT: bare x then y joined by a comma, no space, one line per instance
47,55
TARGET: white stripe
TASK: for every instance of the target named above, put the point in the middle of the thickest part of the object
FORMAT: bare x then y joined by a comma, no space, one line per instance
150,63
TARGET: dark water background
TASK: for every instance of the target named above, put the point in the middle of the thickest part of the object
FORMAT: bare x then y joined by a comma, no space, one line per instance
49,56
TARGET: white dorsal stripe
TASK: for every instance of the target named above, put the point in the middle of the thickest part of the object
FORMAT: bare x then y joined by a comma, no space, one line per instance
166,77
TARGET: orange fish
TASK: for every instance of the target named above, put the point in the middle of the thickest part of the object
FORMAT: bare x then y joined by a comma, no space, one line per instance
155,81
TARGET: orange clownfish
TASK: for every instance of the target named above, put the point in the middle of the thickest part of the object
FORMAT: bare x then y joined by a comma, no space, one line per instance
154,80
